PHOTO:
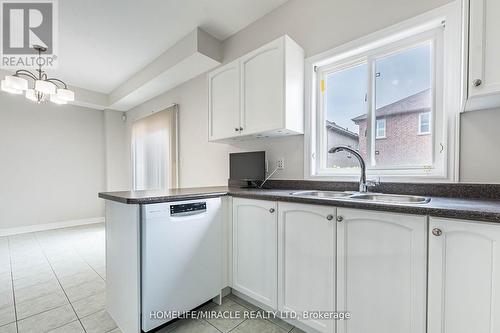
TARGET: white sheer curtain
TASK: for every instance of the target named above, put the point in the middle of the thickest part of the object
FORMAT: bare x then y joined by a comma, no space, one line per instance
154,151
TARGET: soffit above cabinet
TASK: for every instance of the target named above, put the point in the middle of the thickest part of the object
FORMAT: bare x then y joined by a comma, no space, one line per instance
195,54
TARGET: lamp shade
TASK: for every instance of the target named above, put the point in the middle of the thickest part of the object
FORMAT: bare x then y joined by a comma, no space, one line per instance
5,87
57,100
45,87
31,95
65,95
16,82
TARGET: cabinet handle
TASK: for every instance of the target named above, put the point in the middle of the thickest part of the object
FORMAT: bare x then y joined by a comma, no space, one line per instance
437,232
241,128
477,82
271,210
329,217
340,218
236,129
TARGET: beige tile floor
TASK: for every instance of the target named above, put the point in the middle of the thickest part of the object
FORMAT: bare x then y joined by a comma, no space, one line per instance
55,281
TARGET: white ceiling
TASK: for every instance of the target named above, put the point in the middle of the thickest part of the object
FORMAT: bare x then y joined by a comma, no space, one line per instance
104,42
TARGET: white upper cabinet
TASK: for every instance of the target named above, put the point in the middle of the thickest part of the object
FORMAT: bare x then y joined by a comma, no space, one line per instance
484,54
268,86
381,271
464,277
224,101
306,261
255,250
262,88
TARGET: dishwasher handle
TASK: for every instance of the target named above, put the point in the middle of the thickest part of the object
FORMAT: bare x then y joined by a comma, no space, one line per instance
188,213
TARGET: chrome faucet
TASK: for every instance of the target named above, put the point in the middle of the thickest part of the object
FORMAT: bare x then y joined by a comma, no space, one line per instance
363,187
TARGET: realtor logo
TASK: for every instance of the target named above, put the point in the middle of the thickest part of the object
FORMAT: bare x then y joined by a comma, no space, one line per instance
24,24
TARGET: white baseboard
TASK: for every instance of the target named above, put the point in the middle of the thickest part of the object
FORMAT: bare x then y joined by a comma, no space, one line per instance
49,226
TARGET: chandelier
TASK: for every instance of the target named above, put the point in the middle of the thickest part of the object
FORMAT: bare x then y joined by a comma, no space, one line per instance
42,87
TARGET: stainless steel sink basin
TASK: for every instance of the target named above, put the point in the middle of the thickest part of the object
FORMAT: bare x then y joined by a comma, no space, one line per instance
323,194
372,197
391,198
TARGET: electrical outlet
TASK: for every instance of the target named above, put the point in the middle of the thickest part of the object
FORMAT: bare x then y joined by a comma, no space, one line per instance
280,164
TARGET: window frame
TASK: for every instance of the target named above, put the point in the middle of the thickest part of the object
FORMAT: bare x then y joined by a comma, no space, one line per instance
448,40
420,123
380,121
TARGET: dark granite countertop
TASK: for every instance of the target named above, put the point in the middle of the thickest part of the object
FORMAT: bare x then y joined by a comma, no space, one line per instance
149,197
471,209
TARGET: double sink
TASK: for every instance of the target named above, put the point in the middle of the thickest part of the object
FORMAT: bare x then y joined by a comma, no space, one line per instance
367,197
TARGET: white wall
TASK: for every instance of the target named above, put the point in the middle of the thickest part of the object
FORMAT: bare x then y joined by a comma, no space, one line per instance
117,158
480,146
317,25
202,163
199,160
52,162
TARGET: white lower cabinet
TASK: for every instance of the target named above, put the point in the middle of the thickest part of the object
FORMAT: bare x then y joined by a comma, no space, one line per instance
381,271
255,238
306,261
309,258
464,277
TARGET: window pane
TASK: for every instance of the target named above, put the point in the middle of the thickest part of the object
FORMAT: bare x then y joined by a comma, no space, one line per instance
380,128
425,123
345,101
403,90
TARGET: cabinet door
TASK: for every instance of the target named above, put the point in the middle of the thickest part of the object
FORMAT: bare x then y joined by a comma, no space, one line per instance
224,102
484,47
464,277
255,250
306,261
381,271
262,88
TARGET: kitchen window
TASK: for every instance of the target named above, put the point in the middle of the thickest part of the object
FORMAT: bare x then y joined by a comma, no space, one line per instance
384,97
391,85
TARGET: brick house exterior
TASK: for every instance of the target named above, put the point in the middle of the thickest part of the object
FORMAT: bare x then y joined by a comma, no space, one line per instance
402,145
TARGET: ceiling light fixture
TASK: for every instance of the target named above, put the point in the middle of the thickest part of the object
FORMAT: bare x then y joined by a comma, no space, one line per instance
43,88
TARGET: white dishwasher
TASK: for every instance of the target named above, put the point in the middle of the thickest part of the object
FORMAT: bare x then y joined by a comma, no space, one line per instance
181,257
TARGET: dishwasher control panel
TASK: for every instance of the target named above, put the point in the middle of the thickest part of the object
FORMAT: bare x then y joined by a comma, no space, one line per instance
188,209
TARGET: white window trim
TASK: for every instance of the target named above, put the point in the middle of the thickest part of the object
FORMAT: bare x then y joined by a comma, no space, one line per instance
420,123
381,121
452,98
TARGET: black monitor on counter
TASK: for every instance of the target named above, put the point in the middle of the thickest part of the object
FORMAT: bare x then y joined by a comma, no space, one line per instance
248,166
